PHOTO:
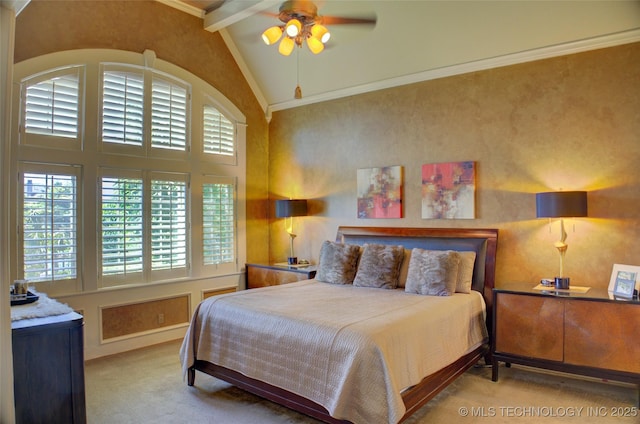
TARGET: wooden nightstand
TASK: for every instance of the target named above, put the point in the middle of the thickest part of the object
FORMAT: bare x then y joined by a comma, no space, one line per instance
262,275
580,333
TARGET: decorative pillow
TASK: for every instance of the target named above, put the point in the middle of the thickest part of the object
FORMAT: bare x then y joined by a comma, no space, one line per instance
338,263
465,272
379,266
433,272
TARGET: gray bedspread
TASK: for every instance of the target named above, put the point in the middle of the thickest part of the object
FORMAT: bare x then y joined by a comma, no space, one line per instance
351,349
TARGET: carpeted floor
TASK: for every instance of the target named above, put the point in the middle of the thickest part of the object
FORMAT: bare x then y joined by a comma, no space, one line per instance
146,386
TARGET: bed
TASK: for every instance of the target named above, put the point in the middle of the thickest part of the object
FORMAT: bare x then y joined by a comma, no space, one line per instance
347,353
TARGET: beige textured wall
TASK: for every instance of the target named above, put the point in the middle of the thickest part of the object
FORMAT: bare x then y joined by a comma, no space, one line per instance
50,26
570,123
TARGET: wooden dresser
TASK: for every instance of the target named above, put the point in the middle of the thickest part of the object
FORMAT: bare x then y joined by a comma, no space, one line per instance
262,275
48,369
580,333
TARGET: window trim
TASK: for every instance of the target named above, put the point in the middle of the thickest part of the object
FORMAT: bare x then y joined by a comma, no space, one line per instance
90,159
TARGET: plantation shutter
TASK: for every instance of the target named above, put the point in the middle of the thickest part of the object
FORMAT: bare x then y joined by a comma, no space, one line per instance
219,132
123,108
122,226
168,115
50,226
168,224
218,223
51,107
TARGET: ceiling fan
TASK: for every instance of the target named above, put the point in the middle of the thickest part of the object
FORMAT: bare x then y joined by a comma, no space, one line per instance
301,23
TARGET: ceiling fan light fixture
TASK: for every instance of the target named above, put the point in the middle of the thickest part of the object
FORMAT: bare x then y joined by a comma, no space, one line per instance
300,22
314,45
321,33
272,35
293,28
286,46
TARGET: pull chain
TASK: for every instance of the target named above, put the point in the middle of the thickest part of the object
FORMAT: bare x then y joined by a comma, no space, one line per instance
298,92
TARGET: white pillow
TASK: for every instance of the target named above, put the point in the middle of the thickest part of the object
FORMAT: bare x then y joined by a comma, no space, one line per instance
465,272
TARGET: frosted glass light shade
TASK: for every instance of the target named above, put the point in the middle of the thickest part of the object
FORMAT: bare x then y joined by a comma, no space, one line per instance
315,45
271,35
286,46
293,28
321,33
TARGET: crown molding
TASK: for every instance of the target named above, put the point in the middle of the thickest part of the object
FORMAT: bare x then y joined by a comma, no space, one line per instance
184,7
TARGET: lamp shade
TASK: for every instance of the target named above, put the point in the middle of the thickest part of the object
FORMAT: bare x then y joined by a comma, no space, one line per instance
292,207
561,204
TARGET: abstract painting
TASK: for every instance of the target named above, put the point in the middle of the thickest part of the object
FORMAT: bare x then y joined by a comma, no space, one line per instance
448,190
380,192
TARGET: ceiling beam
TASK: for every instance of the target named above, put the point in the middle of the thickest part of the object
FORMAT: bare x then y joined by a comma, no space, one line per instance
233,11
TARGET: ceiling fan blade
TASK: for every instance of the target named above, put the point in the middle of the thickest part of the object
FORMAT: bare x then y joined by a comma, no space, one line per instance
339,20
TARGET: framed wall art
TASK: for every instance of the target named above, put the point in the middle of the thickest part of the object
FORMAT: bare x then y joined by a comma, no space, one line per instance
380,192
448,190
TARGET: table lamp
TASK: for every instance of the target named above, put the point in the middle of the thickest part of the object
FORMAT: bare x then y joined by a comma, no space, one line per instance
561,204
289,209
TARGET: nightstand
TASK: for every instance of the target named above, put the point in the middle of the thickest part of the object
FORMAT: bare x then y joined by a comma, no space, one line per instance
577,332
48,369
262,275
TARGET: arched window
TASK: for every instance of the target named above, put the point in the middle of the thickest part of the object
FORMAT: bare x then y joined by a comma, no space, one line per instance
130,171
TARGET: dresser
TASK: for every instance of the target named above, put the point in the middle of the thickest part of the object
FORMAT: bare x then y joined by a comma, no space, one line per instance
586,333
48,369
262,275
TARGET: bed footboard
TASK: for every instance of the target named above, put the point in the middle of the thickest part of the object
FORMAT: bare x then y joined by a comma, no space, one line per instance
414,398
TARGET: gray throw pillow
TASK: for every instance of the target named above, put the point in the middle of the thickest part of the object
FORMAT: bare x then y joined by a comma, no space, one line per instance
379,266
433,272
338,263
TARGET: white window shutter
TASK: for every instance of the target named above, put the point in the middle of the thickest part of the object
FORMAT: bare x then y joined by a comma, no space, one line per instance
218,223
168,224
219,133
50,226
122,226
123,108
168,115
51,107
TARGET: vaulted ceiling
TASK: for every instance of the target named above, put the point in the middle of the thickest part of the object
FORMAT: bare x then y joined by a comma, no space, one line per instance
411,41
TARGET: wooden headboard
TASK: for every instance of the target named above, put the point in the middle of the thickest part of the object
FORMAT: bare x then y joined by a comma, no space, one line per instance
482,241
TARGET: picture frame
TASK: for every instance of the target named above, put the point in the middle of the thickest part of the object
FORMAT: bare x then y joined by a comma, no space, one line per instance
448,190
625,279
380,192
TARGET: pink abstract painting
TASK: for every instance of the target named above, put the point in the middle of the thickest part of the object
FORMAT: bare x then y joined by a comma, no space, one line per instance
448,190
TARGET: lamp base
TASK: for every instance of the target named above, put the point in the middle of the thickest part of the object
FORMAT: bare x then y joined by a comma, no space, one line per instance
562,282
292,260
